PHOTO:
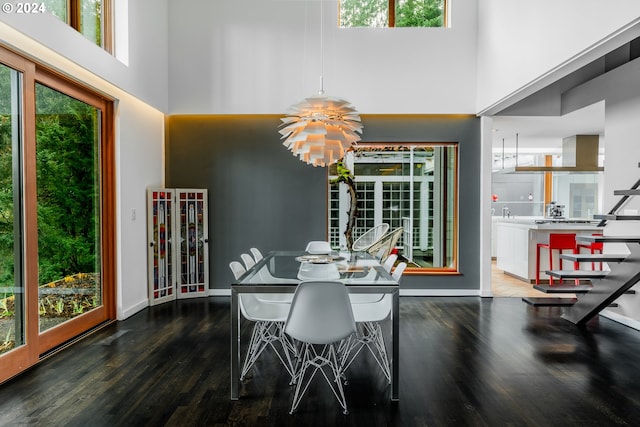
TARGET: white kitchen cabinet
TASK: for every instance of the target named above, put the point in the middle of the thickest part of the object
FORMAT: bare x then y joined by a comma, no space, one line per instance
516,245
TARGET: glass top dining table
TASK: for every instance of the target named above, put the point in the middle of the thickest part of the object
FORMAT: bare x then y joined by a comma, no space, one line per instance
281,271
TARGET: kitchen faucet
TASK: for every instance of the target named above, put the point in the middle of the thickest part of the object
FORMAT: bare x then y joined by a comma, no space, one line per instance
506,212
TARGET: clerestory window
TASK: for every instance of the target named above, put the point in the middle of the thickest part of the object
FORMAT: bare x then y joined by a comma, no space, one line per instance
92,18
393,13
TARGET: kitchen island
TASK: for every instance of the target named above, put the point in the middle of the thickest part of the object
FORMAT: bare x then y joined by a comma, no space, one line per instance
517,239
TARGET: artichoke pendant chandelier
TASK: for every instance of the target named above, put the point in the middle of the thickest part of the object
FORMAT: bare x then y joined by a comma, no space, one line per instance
320,129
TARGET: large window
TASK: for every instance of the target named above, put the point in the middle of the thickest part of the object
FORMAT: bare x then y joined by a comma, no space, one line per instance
393,13
413,186
57,235
92,18
68,191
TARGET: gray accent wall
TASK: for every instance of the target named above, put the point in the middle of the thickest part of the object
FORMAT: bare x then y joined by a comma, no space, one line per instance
261,196
465,130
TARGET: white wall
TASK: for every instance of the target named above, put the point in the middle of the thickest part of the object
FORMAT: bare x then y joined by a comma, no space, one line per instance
145,76
620,90
524,45
258,56
622,170
139,135
140,164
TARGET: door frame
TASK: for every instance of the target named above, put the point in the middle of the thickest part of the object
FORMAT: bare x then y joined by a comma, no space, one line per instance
38,344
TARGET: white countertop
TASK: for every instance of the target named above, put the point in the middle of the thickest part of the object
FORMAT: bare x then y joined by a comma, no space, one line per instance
530,222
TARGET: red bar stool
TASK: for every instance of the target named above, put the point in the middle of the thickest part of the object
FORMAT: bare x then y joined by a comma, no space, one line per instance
557,241
593,247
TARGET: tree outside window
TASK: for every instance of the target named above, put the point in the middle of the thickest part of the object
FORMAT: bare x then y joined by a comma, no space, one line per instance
86,16
393,13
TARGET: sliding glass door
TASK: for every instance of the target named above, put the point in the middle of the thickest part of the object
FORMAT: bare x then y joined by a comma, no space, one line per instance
57,234
12,313
68,206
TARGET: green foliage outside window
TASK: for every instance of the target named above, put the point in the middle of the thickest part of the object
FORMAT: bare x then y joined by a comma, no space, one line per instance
6,181
408,13
420,13
66,162
57,8
364,13
90,24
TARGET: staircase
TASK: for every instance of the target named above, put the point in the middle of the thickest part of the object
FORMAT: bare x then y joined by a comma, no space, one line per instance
595,289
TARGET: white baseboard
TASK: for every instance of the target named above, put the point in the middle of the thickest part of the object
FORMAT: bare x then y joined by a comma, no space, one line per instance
632,323
123,314
403,292
439,292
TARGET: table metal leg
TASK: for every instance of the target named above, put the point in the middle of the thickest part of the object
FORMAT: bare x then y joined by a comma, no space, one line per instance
235,346
395,355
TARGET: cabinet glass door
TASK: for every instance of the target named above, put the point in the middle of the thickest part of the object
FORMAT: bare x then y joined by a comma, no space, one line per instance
193,248
160,207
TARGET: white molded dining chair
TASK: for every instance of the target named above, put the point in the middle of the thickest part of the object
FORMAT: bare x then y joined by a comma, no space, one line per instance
257,255
311,271
268,326
389,262
399,271
237,269
264,276
247,260
366,298
320,317
368,317
319,247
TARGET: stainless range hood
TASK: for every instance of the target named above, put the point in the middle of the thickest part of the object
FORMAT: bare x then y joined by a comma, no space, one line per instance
579,154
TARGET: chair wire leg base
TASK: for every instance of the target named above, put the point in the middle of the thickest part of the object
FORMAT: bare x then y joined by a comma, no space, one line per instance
328,357
370,336
267,334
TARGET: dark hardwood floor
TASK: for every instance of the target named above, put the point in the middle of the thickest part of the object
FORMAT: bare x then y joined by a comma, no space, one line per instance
464,362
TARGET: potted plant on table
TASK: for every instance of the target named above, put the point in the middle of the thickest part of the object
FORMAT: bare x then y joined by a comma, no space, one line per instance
345,176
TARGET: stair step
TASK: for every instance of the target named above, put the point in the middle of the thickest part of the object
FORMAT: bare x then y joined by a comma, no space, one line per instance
608,239
614,217
594,257
635,192
549,302
577,274
622,277
563,289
